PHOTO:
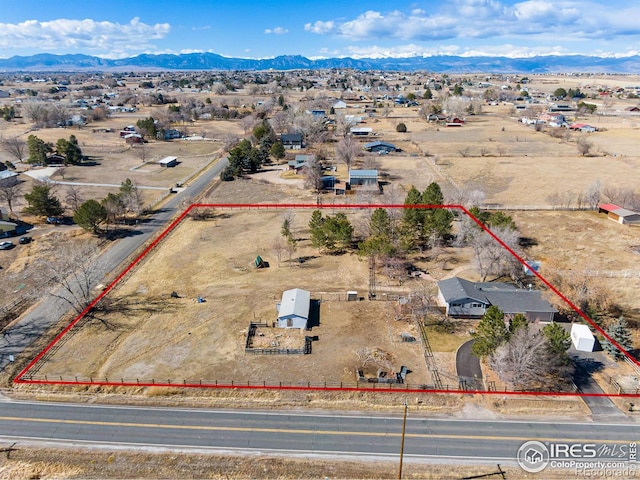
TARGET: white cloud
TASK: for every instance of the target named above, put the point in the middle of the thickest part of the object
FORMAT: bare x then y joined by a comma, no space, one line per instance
320,27
104,37
474,19
276,31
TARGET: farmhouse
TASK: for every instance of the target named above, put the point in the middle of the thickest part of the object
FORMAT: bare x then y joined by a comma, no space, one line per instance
291,141
618,214
465,299
168,162
293,309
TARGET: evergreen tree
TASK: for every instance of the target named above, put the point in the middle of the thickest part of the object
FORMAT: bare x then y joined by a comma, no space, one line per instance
428,94
316,227
90,215
42,202
380,241
620,333
277,151
558,338
518,321
491,332
38,150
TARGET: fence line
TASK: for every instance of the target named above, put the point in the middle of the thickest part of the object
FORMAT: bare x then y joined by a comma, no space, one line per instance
161,382
603,273
633,365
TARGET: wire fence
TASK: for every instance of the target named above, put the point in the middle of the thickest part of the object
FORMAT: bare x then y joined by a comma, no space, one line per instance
372,384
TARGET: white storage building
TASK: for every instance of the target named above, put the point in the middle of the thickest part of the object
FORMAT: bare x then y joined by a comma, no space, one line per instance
582,338
293,310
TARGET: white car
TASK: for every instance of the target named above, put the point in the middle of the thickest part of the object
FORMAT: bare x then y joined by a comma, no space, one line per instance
6,245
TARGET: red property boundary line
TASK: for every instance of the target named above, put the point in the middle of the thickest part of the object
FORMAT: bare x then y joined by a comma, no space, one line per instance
21,380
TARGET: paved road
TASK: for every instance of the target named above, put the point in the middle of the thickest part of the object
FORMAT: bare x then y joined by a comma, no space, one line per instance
300,434
45,314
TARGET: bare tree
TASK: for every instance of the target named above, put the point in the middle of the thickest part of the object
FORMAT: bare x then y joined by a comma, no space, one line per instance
280,121
592,195
247,123
73,272
142,151
347,151
526,362
279,246
584,146
313,175
73,198
490,257
10,191
16,147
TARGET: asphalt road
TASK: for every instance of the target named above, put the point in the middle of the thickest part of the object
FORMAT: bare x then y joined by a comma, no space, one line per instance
468,367
45,314
302,434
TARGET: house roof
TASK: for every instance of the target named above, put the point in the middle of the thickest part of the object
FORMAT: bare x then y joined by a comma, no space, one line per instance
7,174
291,137
458,288
371,145
506,297
363,174
295,303
608,207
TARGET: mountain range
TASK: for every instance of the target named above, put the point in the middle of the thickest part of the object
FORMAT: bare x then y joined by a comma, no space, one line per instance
442,63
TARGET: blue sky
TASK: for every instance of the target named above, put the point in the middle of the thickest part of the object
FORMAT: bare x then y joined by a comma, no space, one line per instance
263,29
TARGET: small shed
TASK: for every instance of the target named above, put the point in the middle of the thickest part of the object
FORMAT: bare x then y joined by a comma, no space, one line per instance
364,178
582,338
293,310
168,162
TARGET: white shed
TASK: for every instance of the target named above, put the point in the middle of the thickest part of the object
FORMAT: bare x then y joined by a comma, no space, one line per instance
582,338
168,162
293,311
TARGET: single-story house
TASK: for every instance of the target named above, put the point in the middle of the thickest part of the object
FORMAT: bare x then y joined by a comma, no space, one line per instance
7,228
361,131
618,214
293,309
300,162
4,94
377,147
56,159
292,141
168,162
465,299
340,104
583,127
172,133
133,138
7,177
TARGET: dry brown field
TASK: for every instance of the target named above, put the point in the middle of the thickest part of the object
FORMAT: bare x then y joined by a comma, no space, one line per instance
205,341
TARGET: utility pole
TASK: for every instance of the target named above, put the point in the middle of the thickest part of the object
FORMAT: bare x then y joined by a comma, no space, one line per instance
404,426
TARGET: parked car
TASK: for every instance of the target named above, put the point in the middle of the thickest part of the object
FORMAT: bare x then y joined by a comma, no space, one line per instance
6,245
54,220
25,240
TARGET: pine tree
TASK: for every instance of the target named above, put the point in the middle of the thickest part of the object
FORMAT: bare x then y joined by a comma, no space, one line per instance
558,338
491,332
620,333
518,321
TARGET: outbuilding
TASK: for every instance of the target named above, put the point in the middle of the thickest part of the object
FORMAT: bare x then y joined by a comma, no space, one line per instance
582,338
168,162
293,309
